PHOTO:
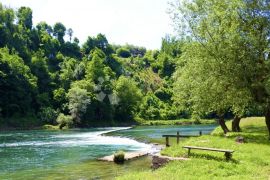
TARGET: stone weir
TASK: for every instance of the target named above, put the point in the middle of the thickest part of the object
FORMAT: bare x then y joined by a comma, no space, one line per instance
156,148
158,160
128,156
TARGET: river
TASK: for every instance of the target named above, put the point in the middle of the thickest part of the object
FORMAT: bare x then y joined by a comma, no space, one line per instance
72,154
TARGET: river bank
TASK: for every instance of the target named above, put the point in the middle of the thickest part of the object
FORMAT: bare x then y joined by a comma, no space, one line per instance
245,164
73,152
140,122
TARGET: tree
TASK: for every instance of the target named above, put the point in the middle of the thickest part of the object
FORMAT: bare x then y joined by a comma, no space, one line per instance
39,68
217,58
129,96
64,120
150,107
78,101
99,42
68,67
70,33
43,26
95,68
123,52
59,31
17,85
201,88
25,17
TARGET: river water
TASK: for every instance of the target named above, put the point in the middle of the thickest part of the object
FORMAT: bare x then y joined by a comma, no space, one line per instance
72,154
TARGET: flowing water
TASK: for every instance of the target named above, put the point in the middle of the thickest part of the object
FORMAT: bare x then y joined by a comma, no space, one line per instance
72,154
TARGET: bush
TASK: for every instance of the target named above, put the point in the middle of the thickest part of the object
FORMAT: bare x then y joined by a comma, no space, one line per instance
64,120
47,115
119,157
123,52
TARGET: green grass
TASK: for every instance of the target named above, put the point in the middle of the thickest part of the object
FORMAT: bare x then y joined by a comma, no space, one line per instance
251,160
175,122
50,127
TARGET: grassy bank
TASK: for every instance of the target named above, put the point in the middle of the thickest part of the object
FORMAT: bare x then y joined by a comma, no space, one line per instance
175,122
31,123
251,160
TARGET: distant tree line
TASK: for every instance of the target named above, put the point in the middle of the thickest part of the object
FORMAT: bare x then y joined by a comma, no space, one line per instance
216,68
46,77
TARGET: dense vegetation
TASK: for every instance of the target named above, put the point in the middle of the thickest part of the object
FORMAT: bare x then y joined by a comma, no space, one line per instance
245,163
47,77
218,66
225,64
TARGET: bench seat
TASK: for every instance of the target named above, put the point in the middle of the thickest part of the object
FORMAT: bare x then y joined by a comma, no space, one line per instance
228,153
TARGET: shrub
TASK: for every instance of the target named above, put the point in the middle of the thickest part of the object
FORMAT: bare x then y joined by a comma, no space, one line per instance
123,52
47,115
64,120
119,157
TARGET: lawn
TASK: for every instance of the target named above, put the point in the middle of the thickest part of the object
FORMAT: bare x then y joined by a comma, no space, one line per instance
251,160
176,122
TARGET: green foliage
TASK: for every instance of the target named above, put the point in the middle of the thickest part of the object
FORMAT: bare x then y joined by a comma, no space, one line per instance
129,98
229,41
25,17
123,52
95,68
17,85
64,120
59,97
99,42
48,115
59,31
211,73
119,157
78,101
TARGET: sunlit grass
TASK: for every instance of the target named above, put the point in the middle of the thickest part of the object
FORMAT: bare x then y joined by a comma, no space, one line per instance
251,160
176,122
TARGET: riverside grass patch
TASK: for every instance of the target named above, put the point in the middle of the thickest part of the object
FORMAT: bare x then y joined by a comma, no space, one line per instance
175,122
251,160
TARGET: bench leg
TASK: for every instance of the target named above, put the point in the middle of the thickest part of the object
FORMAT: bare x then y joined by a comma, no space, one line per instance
228,155
167,142
188,152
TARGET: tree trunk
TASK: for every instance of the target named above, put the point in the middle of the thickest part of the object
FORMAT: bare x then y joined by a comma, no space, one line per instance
223,125
235,124
267,120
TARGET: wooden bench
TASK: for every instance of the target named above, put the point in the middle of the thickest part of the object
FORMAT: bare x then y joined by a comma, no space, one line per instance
178,137
228,153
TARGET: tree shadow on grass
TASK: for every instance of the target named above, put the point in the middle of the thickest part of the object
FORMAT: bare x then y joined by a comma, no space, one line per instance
211,157
256,137
252,134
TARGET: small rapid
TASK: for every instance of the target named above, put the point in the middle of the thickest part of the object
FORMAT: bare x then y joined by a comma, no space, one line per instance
77,139
72,153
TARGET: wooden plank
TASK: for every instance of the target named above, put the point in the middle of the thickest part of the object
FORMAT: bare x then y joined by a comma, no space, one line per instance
208,149
172,135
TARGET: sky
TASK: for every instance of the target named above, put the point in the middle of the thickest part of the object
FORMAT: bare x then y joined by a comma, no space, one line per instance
137,22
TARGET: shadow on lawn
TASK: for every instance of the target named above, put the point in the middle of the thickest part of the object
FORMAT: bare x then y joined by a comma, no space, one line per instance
252,134
211,157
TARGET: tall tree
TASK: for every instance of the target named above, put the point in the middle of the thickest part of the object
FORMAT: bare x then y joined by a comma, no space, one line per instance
59,31
78,101
218,59
128,98
70,33
17,85
25,17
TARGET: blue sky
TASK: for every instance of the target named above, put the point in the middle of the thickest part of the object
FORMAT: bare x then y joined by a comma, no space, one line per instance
138,22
